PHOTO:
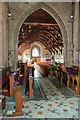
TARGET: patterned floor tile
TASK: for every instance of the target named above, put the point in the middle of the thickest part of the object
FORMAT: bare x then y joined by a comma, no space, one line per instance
55,106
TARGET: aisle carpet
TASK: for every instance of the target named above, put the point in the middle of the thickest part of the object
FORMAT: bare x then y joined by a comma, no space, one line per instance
55,106
62,87
37,93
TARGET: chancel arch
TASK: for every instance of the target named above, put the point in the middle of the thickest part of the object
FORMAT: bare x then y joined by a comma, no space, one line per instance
29,10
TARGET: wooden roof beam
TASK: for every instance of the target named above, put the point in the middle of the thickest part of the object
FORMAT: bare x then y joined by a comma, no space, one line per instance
34,23
42,31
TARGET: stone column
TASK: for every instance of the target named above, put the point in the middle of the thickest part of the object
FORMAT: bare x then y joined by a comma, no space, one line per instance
12,56
69,54
79,44
0,34
76,32
4,33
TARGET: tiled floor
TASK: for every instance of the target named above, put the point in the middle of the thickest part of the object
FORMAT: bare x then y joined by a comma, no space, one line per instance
55,106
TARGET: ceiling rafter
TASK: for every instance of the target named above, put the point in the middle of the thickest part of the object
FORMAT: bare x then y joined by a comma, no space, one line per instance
44,39
46,32
43,30
44,45
38,39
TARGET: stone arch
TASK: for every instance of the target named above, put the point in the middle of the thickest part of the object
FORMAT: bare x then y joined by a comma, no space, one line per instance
29,10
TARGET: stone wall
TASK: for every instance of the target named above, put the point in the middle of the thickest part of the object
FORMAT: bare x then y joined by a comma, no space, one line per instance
1,34
79,27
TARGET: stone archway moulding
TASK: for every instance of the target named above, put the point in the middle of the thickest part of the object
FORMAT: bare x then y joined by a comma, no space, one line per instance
29,10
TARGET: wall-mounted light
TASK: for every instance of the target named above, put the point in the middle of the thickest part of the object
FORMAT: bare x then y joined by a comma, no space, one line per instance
71,16
70,20
12,18
9,14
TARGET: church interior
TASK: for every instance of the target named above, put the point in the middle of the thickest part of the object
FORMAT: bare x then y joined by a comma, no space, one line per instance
40,60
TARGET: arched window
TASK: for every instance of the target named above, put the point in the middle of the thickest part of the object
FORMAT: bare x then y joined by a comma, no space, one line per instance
35,51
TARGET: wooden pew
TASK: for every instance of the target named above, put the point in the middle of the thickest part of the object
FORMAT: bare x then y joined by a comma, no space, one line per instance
75,67
4,79
66,76
72,70
31,69
73,79
72,84
17,92
23,67
70,74
18,102
43,68
28,67
29,84
56,71
59,73
59,70
12,81
25,70
52,70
